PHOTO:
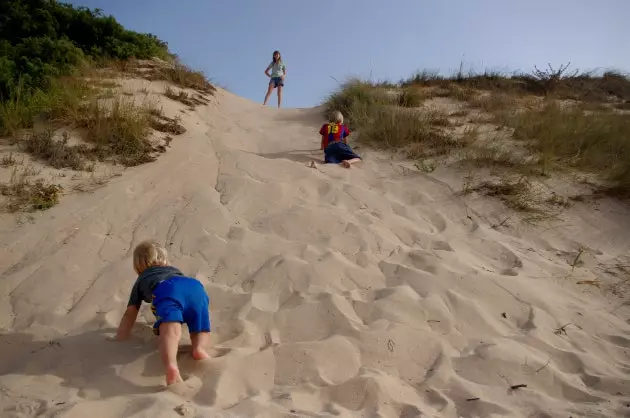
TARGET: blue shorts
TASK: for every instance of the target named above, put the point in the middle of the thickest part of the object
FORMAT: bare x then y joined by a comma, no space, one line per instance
337,152
276,81
181,299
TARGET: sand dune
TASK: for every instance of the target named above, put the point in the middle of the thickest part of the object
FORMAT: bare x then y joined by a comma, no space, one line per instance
368,292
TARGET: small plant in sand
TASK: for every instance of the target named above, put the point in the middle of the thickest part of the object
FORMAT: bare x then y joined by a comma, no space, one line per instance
55,152
22,194
8,160
168,125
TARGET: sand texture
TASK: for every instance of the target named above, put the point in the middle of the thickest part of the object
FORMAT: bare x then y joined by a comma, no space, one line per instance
374,291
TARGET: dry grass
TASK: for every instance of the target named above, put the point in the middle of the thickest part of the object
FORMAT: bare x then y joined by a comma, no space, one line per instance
383,125
411,97
116,130
514,194
185,98
182,76
418,134
55,152
559,82
24,195
586,133
595,141
168,125
120,128
494,103
8,160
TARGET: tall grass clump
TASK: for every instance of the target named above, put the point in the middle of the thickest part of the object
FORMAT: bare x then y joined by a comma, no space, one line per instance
120,128
355,100
596,141
384,124
411,97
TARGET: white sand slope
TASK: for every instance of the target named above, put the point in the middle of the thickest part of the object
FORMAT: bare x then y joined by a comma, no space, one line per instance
370,292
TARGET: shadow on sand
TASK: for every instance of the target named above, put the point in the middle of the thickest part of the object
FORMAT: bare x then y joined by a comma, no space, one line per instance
91,363
300,156
86,362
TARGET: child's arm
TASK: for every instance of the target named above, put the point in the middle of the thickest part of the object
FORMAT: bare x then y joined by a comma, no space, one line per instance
130,315
126,323
267,71
346,131
322,132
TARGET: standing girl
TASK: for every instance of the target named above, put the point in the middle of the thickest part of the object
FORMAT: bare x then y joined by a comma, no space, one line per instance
278,72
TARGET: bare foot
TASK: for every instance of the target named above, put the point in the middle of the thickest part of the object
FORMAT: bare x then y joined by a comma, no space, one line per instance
345,163
172,375
200,354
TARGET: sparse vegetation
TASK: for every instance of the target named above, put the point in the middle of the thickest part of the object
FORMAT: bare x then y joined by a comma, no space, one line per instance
168,125
22,194
515,194
8,160
183,76
596,141
548,120
120,128
560,82
411,97
55,152
386,126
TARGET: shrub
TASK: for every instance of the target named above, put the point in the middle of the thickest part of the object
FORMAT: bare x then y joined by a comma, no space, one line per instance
59,39
24,195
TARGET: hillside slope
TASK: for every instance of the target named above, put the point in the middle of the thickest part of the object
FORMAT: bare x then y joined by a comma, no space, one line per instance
375,291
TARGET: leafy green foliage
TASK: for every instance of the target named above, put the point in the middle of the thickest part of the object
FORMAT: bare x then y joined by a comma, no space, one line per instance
42,39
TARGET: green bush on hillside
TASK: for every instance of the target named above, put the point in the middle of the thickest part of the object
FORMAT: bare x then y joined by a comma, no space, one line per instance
42,39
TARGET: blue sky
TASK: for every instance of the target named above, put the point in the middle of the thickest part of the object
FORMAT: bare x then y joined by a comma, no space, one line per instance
232,40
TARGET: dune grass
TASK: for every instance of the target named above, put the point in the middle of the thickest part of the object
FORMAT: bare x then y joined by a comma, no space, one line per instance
559,82
587,134
183,76
390,122
573,137
116,129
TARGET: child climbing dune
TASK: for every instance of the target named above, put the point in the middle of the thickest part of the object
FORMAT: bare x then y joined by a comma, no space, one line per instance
174,299
335,144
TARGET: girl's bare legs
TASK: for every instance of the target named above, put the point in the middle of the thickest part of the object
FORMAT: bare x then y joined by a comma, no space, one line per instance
170,333
279,96
199,340
269,90
348,163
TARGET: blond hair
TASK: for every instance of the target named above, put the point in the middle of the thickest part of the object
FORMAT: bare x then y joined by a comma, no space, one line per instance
336,117
149,253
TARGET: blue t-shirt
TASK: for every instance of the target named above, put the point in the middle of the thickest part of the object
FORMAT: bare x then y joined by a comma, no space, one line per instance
145,283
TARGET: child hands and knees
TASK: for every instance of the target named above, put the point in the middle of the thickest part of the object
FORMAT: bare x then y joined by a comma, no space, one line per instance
174,299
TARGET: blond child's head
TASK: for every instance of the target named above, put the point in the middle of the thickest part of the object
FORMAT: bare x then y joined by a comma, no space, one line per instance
147,254
336,117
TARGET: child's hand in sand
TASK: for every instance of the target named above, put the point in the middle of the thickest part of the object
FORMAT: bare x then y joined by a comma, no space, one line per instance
114,337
